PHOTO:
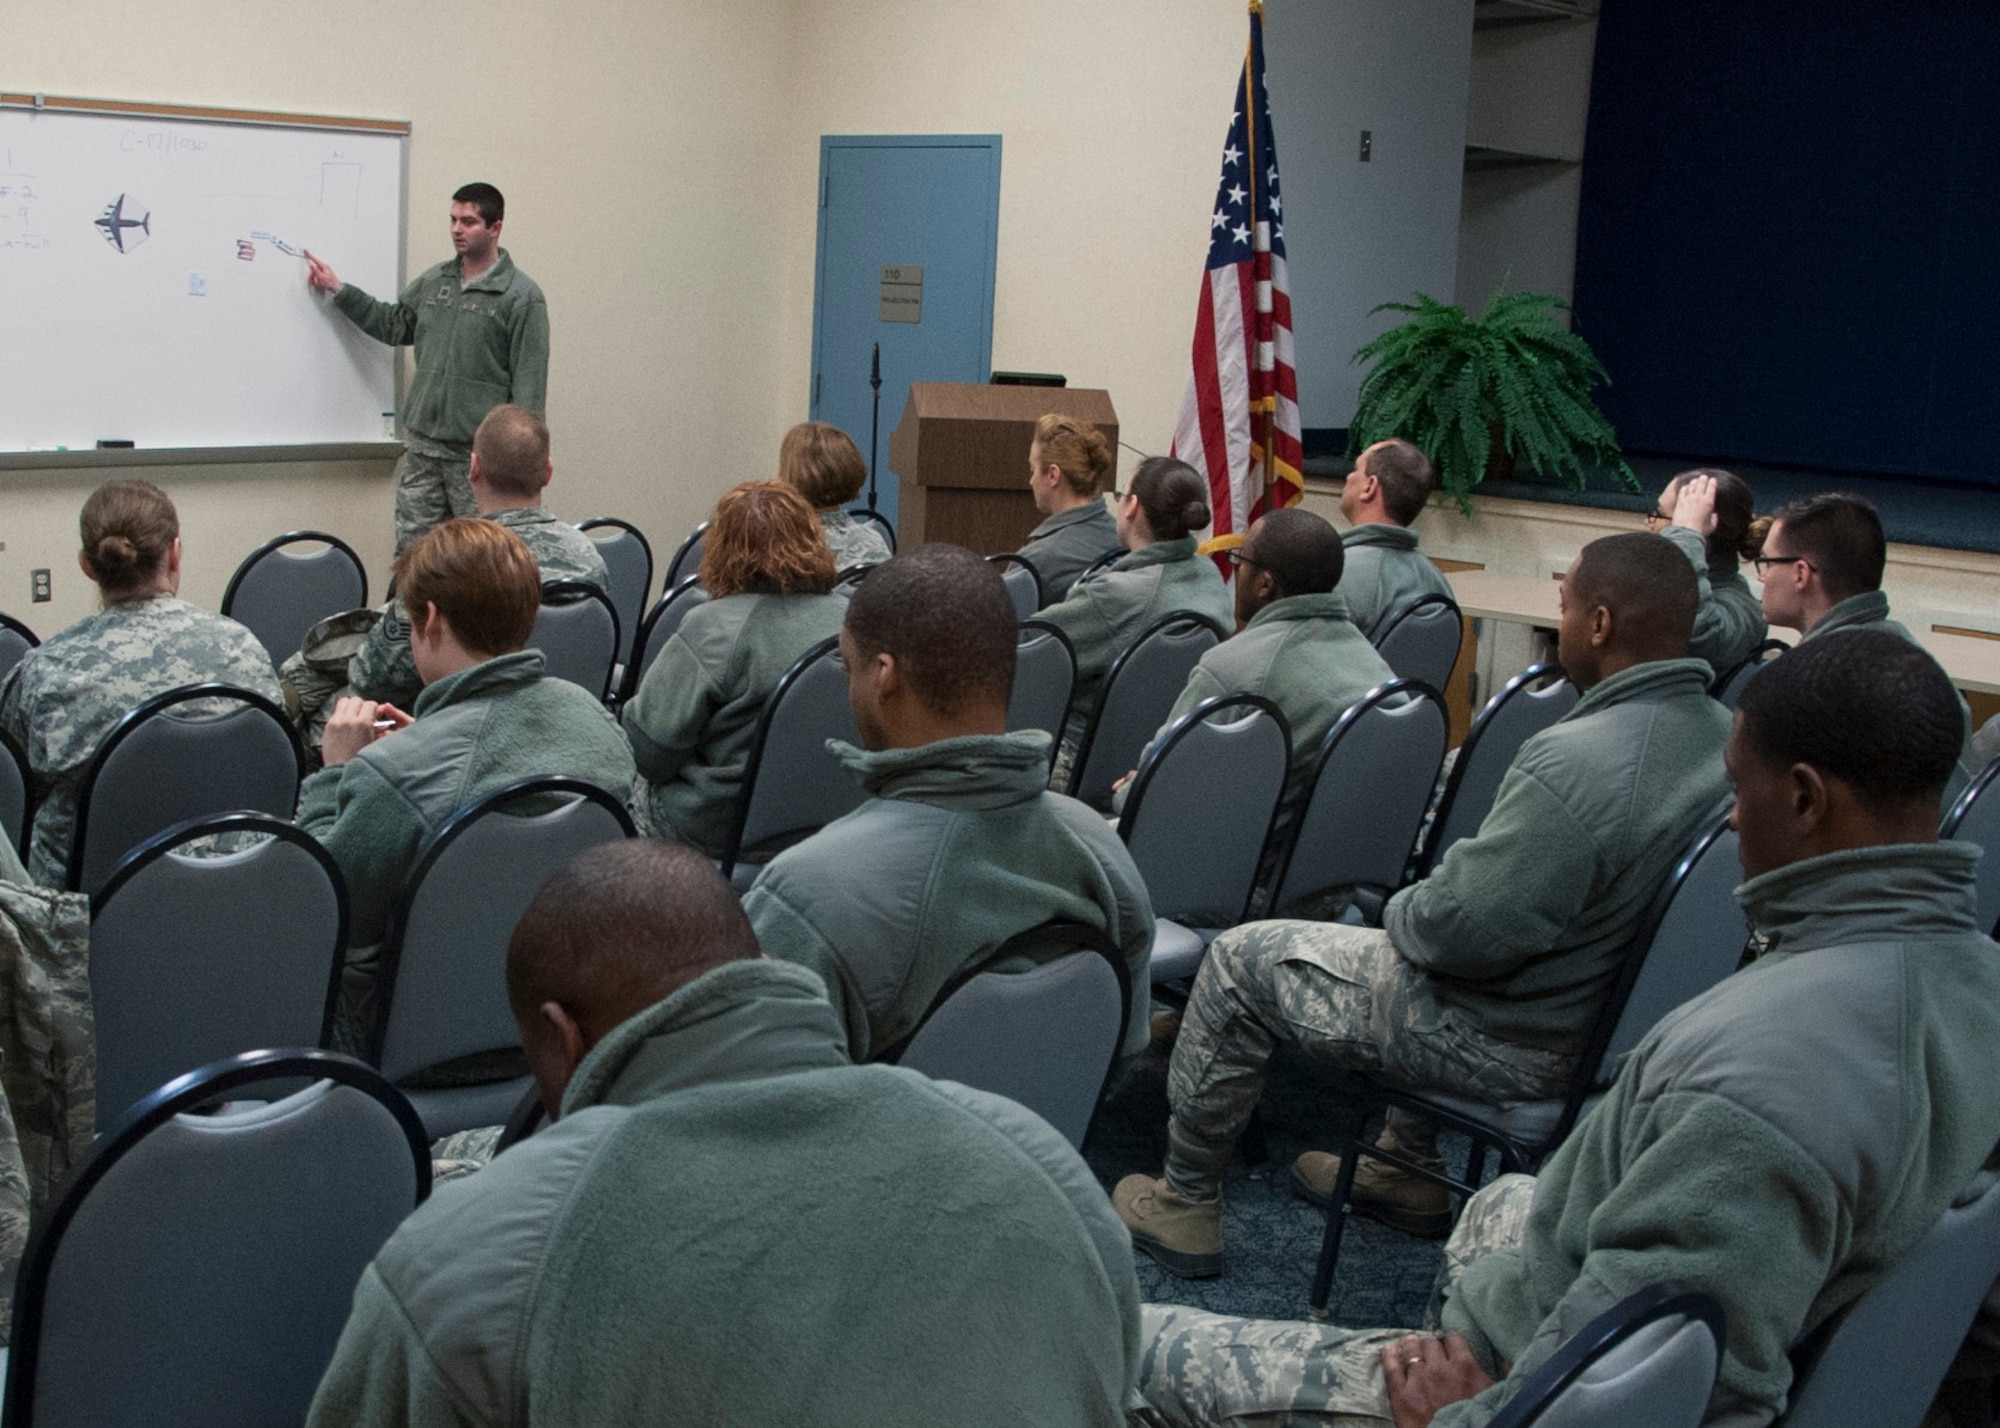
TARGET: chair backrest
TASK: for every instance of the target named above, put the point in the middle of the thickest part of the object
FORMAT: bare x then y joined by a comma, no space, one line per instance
687,558
192,751
1024,582
876,519
577,632
1518,712
657,628
1420,641
1881,1360
853,575
1365,803
195,958
16,801
1044,678
1045,1037
1975,819
16,639
1200,809
1139,691
1729,685
1649,1361
629,559
1103,562
443,979
199,1268
279,594
792,786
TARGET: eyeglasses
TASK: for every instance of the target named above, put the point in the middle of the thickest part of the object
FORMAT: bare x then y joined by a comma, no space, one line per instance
1238,558
1765,562
1656,519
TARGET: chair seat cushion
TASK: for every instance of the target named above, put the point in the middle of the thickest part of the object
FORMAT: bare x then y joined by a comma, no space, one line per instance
1530,1123
1178,950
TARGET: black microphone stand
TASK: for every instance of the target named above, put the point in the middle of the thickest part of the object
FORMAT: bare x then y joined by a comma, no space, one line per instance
874,418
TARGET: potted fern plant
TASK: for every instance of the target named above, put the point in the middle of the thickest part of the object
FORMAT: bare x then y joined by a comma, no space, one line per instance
1477,396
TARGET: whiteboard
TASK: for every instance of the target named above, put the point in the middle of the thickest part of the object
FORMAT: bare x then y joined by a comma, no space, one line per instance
146,294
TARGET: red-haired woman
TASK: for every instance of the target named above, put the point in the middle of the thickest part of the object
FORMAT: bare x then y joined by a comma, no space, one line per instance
768,574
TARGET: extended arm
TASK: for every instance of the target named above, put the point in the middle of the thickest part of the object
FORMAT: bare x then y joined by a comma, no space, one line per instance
392,322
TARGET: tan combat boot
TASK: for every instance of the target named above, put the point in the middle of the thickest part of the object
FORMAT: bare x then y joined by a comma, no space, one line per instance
1185,1237
1382,1191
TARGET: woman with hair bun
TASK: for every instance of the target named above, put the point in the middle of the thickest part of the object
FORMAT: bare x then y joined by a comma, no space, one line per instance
1159,514
1067,463
1711,516
65,696
767,571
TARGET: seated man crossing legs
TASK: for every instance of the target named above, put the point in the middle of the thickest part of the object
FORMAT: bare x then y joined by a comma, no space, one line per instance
1484,976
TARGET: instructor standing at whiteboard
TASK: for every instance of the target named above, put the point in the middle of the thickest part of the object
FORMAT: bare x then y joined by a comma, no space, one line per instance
481,329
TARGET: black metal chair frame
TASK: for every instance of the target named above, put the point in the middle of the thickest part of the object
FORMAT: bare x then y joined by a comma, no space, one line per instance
854,574
1532,675
1410,611
878,520
1142,780
124,729
732,848
1484,1137
1103,562
12,750
1575,1355
1046,627
462,818
1074,936
1766,650
573,592
8,622
614,523
211,1083
1949,827
280,542
1170,620
629,685
674,572
163,843
1373,699
523,1121
1013,557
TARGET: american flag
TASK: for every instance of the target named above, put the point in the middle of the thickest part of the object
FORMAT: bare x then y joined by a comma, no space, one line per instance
1244,393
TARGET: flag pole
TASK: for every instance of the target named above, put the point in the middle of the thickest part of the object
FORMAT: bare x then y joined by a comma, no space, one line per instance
1260,263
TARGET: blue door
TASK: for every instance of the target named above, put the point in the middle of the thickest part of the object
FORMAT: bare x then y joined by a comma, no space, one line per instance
907,231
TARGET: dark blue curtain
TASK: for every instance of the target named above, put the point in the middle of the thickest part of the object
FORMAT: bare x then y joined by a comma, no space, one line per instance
1789,243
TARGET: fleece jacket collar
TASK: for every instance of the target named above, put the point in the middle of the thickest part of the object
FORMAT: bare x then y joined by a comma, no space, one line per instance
1160,552
974,773
1376,533
742,1021
1330,606
1870,607
1075,515
1655,679
496,279
1895,893
507,671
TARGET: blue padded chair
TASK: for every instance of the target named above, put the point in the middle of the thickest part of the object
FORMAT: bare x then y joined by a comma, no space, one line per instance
1649,1361
629,558
1044,679
687,558
657,628
16,639
1975,819
1024,582
577,632
1421,640
1729,685
1139,691
279,594
1513,716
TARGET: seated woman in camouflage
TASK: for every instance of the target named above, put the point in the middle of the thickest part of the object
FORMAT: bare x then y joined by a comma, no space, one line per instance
822,463
768,573
65,696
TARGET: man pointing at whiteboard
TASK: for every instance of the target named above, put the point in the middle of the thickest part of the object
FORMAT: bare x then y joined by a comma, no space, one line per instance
481,329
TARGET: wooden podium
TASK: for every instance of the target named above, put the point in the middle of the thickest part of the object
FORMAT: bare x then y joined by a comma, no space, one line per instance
961,451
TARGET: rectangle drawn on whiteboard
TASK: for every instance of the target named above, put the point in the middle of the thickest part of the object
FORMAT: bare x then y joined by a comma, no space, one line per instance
340,187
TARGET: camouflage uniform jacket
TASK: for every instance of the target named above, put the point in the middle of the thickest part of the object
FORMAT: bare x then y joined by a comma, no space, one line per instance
478,344
852,542
478,730
1384,573
960,848
694,716
65,696
1107,612
384,669
1729,622
552,1287
1780,1141
1069,543
1522,924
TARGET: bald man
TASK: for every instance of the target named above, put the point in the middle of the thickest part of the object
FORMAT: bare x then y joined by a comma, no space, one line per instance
1484,976
728,1222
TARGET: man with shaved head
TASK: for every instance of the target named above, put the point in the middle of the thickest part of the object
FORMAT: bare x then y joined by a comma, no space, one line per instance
1484,977
727,1222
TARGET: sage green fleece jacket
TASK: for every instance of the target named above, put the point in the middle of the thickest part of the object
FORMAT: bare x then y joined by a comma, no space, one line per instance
1870,611
1780,1141
476,731
1304,655
1522,924
1384,573
1729,621
729,1224
1107,612
959,847
478,344
693,720
1068,543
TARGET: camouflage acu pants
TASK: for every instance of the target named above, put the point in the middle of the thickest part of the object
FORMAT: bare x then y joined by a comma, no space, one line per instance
1343,994
1200,1368
430,490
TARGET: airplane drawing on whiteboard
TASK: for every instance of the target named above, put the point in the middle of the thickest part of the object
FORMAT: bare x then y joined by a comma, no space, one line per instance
119,228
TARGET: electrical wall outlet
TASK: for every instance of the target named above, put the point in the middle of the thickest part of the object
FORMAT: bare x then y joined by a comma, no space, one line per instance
39,586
